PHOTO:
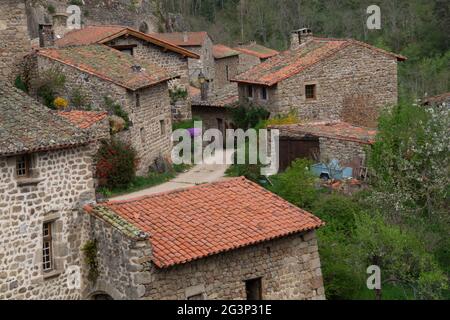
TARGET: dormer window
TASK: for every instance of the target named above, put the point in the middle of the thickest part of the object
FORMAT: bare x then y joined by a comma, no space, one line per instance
23,166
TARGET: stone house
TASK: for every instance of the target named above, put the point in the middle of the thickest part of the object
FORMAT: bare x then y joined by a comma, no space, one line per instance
113,81
215,108
325,141
325,79
226,65
199,43
252,54
144,47
212,241
45,178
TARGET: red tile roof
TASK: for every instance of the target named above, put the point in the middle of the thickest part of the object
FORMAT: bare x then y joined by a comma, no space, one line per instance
104,34
109,64
335,130
257,50
292,62
221,51
183,39
201,221
83,119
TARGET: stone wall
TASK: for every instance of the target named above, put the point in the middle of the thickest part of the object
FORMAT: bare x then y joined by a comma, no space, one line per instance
209,116
61,180
225,69
247,61
136,14
204,64
144,132
289,268
15,43
355,76
345,151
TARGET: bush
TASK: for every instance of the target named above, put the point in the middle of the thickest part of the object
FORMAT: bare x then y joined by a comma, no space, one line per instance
60,103
78,98
20,84
116,109
49,84
248,116
116,164
296,184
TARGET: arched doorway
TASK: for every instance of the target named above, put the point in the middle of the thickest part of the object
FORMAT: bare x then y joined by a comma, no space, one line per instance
101,296
144,27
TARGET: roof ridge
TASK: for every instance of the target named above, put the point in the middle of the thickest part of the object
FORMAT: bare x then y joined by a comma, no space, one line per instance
180,190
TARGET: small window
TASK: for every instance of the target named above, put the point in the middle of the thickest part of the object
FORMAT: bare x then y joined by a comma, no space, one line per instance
250,91
227,70
264,93
253,288
142,134
47,248
138,100
23,164
162,127
310,91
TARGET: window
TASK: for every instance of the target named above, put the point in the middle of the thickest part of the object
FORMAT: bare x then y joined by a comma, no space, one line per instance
47,248
253,288
227,70
138,100
162,127
23,164
264,93
250,91
142,133
310,91
220,124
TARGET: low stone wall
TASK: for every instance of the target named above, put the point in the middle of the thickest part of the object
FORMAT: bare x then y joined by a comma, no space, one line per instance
342,150
61,181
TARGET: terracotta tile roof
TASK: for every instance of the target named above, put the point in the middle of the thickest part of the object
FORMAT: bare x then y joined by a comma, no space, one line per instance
257,50
292,62
221,51
183,39
335,130
205,220
109,64
104,34
227,96
27,126
83,119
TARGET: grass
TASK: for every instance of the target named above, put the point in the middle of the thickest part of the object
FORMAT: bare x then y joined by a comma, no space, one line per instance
141,183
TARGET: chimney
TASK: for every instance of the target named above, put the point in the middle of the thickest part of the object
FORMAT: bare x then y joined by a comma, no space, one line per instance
60,24
299,37
46,36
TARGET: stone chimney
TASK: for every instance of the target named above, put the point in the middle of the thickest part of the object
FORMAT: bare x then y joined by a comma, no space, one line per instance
299,37
46,36
60,24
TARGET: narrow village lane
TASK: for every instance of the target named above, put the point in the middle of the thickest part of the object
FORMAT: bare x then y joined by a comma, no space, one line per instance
201,173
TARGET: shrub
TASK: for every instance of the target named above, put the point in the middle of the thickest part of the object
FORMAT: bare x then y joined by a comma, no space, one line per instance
51,9
51,81
116,109
248,116
60,103
116,164
178,94
20,84
296,184
78,98
290,118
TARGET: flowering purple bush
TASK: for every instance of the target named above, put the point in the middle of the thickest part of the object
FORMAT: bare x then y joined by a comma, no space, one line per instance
195,132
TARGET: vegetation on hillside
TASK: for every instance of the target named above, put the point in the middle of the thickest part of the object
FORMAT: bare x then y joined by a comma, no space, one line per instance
414,28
